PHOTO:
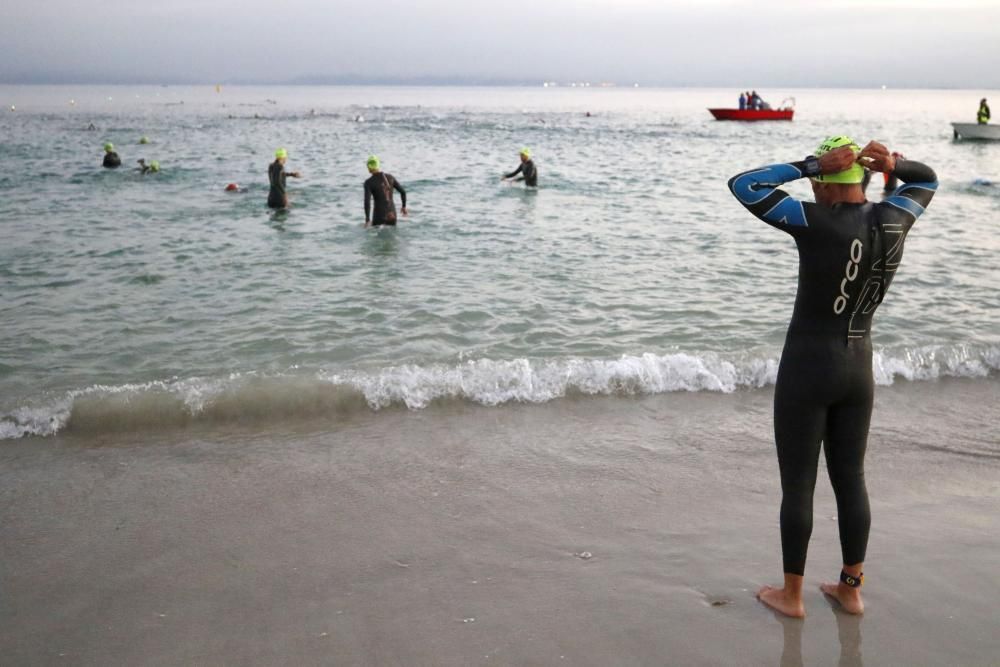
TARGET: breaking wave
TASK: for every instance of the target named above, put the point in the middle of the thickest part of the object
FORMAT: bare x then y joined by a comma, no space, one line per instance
253,397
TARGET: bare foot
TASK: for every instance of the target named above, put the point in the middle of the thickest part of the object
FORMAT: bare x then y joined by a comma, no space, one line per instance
849,598
782,601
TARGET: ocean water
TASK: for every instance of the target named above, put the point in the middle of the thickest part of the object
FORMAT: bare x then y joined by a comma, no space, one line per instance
152,302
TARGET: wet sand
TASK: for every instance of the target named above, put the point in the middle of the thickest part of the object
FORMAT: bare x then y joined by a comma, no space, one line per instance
605,531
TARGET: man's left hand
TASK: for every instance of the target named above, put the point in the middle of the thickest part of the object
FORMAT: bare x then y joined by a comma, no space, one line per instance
877,157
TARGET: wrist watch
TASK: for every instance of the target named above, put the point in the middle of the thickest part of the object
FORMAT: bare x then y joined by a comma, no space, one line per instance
811,165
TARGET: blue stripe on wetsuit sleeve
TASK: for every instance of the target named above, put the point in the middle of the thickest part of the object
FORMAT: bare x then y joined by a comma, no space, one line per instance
905,198
788,211
906,204
753,187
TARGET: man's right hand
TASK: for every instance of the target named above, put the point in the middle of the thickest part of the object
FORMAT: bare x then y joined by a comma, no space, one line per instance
836,160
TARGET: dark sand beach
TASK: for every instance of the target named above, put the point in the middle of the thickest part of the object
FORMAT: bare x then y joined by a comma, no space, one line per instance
587,531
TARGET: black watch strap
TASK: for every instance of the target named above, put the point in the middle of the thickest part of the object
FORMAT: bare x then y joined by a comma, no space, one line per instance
811,165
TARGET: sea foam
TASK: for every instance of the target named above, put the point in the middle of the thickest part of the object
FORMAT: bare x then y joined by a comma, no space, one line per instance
254,397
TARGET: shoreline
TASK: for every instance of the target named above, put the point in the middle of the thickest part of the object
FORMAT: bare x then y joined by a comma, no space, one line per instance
461,535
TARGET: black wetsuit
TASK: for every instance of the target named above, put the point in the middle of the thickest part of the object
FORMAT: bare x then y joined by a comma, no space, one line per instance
277,197
530,176
111,160
379,188
848,255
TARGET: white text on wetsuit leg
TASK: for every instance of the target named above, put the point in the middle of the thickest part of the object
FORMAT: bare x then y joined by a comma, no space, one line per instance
850,273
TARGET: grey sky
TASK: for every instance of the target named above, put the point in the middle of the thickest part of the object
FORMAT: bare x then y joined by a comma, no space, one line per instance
903,43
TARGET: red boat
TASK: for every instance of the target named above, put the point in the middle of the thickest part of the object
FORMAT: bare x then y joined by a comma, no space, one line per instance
752,114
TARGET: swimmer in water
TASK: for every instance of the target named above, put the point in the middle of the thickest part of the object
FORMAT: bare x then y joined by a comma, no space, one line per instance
527,169
278,196
379,187
849,251
152,168
111,159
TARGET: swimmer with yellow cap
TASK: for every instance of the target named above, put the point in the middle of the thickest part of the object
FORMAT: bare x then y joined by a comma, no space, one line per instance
379,190
842,168
848,252
111,158
527,169
152,167
277,197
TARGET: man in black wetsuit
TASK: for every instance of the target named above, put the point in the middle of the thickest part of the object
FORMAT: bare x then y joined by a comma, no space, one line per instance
379,187
849,250
111,159
277,197
529,174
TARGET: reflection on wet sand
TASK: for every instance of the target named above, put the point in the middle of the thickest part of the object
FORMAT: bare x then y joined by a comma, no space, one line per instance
848,634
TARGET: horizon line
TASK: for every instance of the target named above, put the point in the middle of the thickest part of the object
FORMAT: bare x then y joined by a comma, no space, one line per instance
451,83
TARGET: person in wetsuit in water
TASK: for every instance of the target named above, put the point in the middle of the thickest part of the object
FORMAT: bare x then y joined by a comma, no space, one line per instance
849,250
277,197
151,168
529,174
111,159
379,187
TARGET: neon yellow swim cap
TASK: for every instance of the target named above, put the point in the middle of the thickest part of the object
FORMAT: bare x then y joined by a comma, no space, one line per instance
526,152
853,174
108,147
374,162
154,166
281,152
143,140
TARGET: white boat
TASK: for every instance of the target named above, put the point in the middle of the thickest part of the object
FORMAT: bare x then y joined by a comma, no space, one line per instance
976,131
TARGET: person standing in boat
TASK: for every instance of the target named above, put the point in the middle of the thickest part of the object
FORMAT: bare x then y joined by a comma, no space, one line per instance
983,116
743,101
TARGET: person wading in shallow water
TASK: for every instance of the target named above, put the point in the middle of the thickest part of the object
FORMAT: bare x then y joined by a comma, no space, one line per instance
529,174
379,187
849,250
277,196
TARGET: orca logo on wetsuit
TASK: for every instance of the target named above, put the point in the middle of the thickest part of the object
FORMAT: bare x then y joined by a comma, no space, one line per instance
850,273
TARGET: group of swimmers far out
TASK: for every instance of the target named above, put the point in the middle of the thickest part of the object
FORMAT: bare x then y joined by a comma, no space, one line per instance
379,188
